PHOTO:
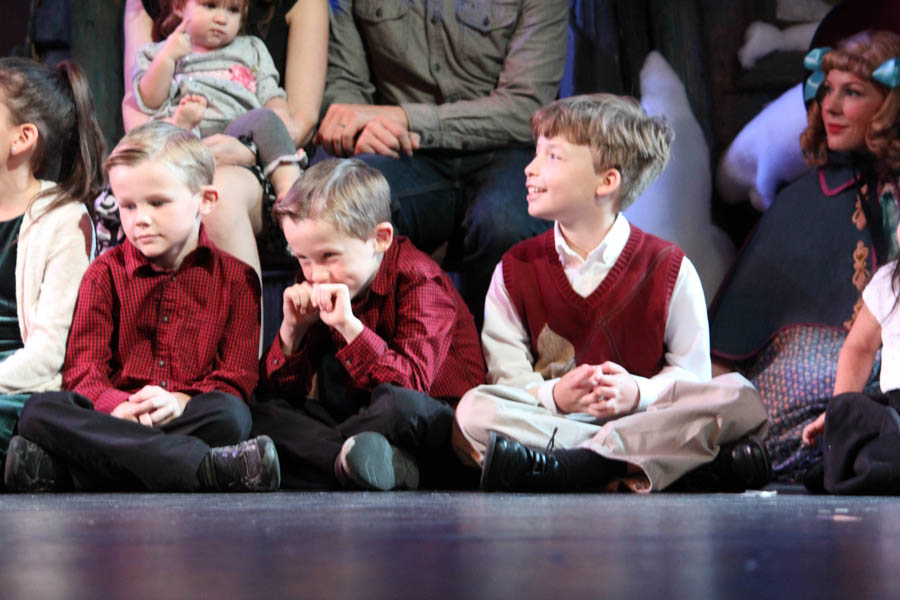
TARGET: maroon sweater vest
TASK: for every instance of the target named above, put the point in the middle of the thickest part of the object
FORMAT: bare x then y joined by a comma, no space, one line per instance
623,320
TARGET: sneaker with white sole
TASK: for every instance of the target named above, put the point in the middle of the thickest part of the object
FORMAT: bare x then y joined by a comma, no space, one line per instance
368,460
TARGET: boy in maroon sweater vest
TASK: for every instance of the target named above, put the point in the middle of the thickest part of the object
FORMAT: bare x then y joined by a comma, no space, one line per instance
595,332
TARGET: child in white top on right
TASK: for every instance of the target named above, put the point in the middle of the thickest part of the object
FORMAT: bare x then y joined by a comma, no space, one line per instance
861,431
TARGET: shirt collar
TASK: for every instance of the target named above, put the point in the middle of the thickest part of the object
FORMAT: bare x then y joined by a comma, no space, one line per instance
607,251
134,260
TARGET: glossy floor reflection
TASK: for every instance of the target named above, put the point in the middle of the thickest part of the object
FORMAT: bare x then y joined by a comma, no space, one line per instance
439,545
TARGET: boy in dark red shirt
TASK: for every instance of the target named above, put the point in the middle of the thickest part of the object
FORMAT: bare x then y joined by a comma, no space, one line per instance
375,348
163,348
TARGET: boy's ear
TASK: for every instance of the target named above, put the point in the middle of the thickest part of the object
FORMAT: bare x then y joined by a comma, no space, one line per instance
384,235
209,197
23,139
610,180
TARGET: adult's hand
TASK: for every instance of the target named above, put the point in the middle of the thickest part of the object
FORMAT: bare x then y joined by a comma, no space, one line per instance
385,136
229,150
344,122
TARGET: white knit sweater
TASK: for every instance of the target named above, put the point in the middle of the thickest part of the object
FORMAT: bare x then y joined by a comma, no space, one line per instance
54,249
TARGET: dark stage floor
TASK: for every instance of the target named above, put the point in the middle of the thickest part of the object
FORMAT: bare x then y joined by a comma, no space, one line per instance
438,545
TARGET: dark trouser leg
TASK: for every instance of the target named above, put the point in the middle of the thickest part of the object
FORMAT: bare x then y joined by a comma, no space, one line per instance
418,424
861,445
308,444
106,453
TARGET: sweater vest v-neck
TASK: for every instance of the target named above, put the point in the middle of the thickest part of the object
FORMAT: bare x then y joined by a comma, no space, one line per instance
623,320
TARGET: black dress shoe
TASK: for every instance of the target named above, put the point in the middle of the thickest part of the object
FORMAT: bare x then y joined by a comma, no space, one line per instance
749,463
739,466
29,468
511,467
250,466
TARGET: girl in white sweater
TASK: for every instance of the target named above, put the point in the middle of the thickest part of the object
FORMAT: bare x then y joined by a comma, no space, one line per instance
48,133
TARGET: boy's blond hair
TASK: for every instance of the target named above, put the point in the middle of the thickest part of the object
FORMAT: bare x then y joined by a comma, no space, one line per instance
346,193
180,150
618,132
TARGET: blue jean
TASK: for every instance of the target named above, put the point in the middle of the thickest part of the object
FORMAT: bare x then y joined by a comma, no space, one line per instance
473,201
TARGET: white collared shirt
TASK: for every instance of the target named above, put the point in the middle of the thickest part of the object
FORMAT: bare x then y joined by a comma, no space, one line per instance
506,341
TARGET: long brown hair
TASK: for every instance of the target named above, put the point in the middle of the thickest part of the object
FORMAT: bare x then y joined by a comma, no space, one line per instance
70,146
860,55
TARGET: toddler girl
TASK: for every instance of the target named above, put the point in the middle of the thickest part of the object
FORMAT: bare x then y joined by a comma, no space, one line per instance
205,77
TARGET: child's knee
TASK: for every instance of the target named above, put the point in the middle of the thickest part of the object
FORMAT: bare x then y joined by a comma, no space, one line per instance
37,407
475,415
403,407
231,418
842,407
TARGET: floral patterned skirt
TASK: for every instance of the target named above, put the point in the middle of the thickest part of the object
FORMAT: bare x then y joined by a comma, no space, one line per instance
795,375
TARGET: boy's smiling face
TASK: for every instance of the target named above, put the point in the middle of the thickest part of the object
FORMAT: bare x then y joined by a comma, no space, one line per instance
561,181
160,214
328,255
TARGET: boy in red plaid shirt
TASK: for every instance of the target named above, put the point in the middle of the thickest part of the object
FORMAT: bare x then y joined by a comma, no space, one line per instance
375,348
162,353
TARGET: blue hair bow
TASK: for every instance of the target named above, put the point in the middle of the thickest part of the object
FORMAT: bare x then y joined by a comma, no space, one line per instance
813,62
888,73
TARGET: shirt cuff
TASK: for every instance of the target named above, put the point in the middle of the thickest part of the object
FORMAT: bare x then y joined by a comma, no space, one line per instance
276,362
649,391
424,120
110,399
361,354
545,395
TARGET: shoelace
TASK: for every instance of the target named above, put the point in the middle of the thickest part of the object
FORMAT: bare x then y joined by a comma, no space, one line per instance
542,461
552,442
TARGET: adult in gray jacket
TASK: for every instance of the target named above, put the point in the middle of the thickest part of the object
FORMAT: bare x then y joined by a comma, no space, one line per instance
438,95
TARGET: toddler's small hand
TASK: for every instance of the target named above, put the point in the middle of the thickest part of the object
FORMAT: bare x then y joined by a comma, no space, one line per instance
178,44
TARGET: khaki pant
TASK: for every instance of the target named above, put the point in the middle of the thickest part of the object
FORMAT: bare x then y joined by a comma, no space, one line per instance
682,430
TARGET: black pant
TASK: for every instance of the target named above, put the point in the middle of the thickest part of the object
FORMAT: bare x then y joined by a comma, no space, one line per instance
861,446
309,435
103,452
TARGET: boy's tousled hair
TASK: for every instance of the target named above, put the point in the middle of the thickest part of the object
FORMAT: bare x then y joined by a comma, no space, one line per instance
860,55
180,150
167,20
346,193
618,132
